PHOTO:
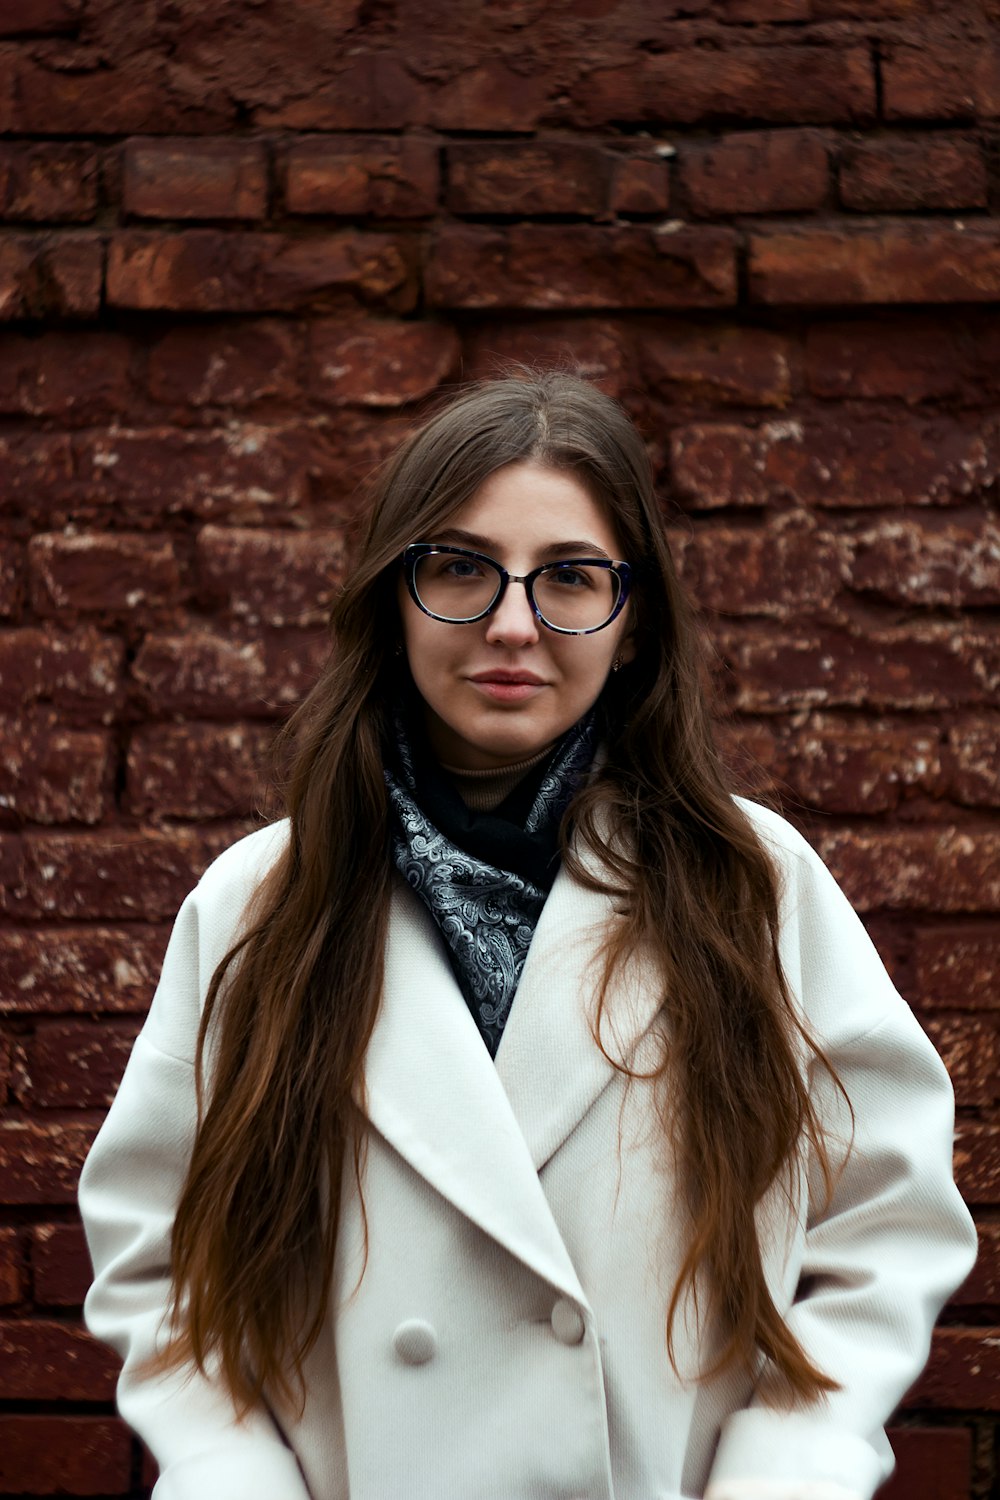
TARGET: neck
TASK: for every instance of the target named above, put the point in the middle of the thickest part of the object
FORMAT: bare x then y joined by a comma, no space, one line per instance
484,790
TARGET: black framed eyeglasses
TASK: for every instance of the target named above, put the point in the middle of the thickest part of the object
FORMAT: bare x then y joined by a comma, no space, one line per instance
574,596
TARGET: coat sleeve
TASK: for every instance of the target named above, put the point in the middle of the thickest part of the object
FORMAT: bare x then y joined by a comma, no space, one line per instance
128,1193
881,1258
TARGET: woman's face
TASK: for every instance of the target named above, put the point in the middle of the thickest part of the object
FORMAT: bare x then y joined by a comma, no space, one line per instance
522,516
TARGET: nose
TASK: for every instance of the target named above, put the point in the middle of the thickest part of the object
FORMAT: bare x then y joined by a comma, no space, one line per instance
513,621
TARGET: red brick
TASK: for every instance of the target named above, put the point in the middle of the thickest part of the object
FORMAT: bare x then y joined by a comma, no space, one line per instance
981,1287
51,774
927,562
136,93
963,1372
720,365
931,1464
915,359
278,577
970,1048
197,770
640,185
916,869
780,571
31,465
114,873
957,966
844,766
912,666
388,178
897,176
940,77
524,178
918,260
79,374
65,1455
805,84
11,574
243,470
60,1265
13,1281
227,364
974,764
596,349
81,671
46,276
565,266
112,574
195,179
41,1163
79,969
372,91
32,17
49,1361
208,270
489,95
204,672
756,172
977,1162
848,463
76,1064
48,181
378,363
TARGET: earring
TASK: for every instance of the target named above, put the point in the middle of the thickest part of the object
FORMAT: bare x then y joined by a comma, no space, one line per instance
397,650
617,664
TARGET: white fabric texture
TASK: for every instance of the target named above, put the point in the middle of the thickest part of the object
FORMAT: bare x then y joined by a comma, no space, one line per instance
499,1193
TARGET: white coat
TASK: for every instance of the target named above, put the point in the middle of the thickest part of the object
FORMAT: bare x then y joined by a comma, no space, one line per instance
507,1340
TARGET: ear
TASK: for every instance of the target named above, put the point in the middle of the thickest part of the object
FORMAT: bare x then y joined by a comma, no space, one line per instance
627,648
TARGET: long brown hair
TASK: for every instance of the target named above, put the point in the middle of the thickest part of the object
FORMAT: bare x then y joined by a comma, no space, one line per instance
293,1004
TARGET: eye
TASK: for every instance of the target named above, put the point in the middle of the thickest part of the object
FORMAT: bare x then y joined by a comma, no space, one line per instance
570,578
460,567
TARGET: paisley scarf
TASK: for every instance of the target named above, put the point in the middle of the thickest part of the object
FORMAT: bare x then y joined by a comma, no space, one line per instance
483,877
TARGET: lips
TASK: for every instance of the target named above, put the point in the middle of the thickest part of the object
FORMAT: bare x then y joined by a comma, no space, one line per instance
502,675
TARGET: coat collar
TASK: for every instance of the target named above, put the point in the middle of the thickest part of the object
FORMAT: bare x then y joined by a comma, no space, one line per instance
479,1132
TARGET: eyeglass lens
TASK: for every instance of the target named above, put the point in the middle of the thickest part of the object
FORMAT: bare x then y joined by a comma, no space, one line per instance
577,597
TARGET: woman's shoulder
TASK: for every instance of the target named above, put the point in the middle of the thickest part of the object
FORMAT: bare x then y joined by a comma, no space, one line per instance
781,836
241,867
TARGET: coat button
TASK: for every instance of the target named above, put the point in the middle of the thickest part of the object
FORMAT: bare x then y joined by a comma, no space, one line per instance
415,1341
567,1322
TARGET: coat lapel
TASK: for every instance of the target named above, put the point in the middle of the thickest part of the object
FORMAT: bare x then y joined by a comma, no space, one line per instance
479,1131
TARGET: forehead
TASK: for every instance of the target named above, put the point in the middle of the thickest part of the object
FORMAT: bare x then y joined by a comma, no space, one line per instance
529,505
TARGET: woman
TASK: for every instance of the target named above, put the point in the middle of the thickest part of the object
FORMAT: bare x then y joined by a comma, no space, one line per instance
525,1115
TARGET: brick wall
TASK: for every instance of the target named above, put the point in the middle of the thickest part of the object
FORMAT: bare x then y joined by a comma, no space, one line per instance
239,242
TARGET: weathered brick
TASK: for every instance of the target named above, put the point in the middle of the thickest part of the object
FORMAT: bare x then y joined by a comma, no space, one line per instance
64,1455
61,1271
196,770
48,181
32,17
594,348
981,1287
805,84
977,1162
40,1163
933,561
46,276
931,1464
897,176
378,363
957,966
278,577
137,93
913,359
916,869
845,766
963,1372
82,671
113,873
243,470
11,580
227,364
974,764
80,374
757,172
555,266
488,95
524,178
51,774
50,1361
780,571
970,1048
387,178
76,1064
640,185
917,260
372,91
942,76
113,574
722,365
209,270
31,466
204,672
850,462
79,969
195,179
920,666
13,1278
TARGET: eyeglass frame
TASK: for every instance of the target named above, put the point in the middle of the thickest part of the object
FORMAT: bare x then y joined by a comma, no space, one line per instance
417,550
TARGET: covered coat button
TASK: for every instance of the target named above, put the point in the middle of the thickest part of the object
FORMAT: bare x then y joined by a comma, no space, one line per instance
415,1341
567,1322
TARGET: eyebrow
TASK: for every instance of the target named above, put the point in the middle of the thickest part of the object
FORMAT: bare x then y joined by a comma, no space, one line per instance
573,548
